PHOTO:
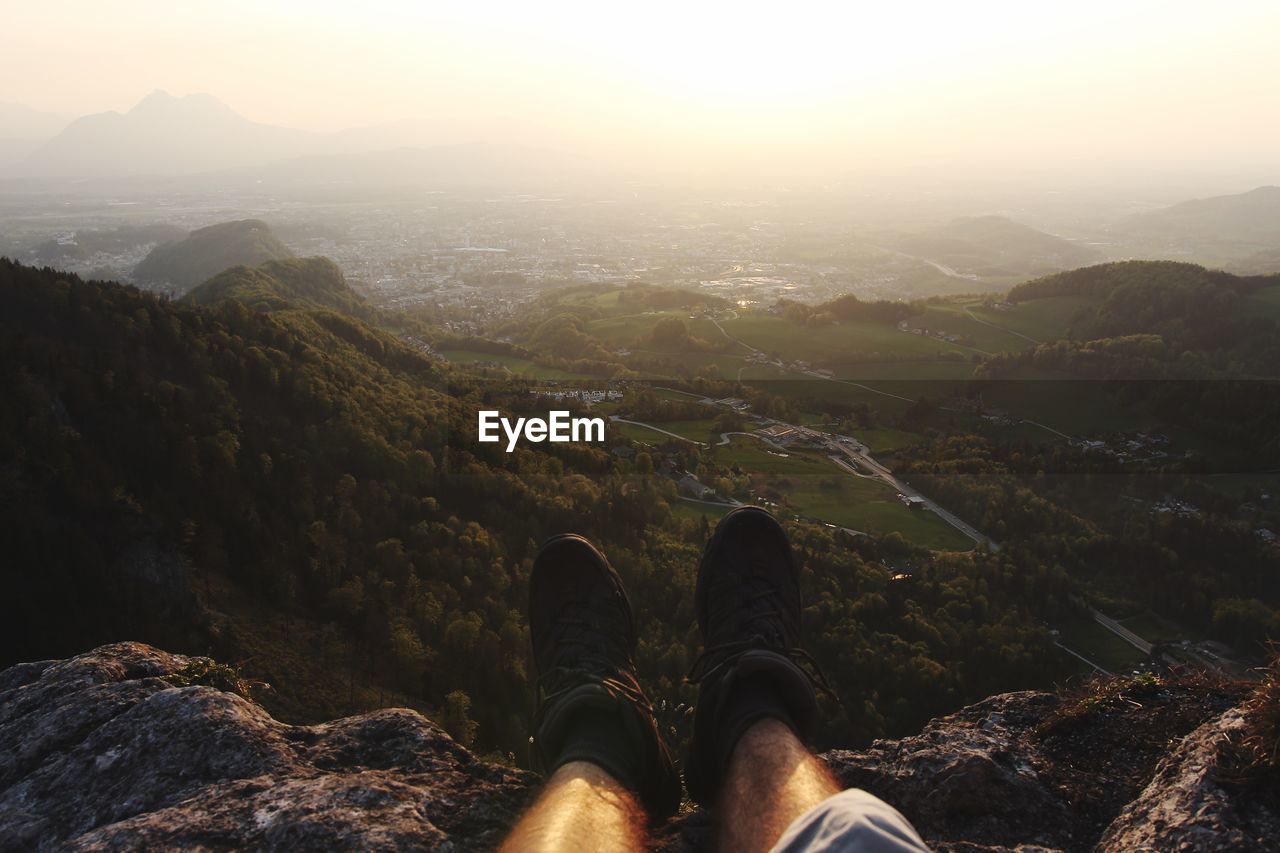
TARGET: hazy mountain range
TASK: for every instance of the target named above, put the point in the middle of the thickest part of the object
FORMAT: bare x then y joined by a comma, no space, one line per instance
23,130
1251,216
1241,231
996,246
164,135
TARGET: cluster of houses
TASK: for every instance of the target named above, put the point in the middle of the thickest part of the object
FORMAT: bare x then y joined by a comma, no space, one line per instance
761,357
420,345
586,395
1139,447
1176,507
904,326
686,483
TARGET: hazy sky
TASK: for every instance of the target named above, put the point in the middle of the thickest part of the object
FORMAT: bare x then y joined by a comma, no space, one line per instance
891,86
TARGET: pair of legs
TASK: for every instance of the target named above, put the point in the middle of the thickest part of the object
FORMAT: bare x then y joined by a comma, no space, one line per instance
595,732
772,780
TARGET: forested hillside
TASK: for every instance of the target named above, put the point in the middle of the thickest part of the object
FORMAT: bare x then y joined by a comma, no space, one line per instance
1189,307
169,462
292,282
205,252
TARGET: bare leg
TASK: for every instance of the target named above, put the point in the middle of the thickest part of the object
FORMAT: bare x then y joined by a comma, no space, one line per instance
581,808
772,780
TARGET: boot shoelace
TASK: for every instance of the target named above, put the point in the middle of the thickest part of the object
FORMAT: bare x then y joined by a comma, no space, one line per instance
760,608
579,642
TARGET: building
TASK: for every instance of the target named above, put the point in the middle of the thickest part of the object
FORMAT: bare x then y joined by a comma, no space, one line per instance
695,488
779,433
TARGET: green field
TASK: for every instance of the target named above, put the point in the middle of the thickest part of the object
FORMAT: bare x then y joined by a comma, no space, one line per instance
1099,645
890,371
952,318
826,343
1045,319
1153,628
676,395
517,365
698,430
1063,403
886,439
693,511
817,488
637,432
636,330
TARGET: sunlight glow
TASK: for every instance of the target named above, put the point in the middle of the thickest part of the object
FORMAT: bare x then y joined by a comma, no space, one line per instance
695,78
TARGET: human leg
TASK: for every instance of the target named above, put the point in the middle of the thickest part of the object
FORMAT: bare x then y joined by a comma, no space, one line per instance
580,806
594,730
772,780
752,668
758,703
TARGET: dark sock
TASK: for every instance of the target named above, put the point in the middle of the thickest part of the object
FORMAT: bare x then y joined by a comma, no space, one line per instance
750,701
602,738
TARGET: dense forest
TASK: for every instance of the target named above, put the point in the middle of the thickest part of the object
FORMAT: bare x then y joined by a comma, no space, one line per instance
1200,316
205,252
1090,516
173,469
286,283
851,309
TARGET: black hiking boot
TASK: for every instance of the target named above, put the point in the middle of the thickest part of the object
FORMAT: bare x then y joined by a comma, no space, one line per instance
591,707
748,605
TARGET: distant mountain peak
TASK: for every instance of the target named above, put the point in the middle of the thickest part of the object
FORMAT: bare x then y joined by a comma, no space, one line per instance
160,102
165,135
157,96
1231,225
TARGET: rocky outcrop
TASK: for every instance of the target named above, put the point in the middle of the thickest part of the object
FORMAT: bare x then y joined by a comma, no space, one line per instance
1189,806
102,752
130,747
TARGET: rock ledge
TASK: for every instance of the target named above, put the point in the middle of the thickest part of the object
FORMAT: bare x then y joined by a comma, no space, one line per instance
102,751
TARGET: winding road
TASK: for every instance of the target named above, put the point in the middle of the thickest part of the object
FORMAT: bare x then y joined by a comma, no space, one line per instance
617,419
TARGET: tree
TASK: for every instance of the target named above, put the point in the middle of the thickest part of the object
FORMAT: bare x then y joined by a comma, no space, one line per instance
670,331
455,717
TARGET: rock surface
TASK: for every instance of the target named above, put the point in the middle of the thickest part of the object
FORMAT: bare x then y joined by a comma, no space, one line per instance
103,751
100,752
1188,806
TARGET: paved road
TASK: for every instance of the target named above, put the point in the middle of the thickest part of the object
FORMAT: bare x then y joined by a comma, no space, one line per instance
859,455
816,375
716,323
863,458
724,439
840,461
657,429
977,319
698,397
726,502
1079,656
1122,632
